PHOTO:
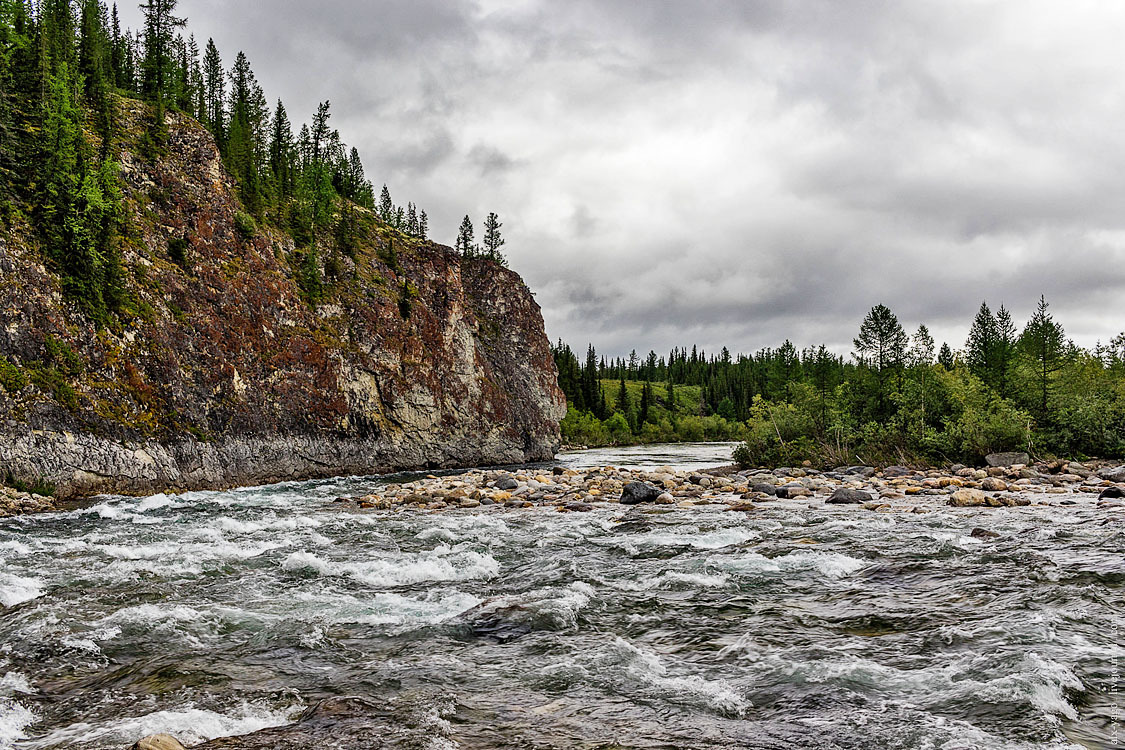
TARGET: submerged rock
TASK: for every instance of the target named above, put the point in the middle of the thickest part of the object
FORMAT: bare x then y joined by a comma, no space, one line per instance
158,742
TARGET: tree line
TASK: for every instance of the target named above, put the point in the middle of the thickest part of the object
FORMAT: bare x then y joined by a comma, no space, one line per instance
66,66
897,397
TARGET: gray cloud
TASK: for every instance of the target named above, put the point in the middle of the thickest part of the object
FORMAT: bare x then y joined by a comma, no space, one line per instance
736,173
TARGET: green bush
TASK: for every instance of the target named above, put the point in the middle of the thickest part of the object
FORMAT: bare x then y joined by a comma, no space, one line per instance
245,225
51,380
61,354
177,251
12,378
36,486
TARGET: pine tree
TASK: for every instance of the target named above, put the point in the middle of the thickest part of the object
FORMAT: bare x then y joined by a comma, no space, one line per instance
215,96
1004,351
945,357
646,404
281,153
464,243
160,26
411,220
881,347
980,347
1044,343
386,205
492,239
423,226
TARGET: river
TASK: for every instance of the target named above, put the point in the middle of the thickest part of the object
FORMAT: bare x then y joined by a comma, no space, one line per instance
799,625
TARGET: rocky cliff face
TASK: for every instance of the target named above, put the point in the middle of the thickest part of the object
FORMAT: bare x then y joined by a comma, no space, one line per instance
221,374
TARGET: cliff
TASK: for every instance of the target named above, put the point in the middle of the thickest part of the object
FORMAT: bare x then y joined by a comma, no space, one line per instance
220,373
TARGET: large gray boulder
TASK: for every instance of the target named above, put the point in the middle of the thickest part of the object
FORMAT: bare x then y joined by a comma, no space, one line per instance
850,496
1007,459
1113,473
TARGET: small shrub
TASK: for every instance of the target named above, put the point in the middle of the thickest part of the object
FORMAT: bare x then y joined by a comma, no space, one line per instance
61,354
308,279
178,252
406,299
36,486
245,225
50,380
12,378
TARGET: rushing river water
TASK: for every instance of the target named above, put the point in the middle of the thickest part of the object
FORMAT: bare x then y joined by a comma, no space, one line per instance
799,625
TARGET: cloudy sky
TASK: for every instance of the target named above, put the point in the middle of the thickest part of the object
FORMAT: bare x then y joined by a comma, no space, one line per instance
731,172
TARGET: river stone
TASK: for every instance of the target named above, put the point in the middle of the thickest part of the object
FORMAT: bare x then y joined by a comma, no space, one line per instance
897,471
764,487
861,471
639,492
849,496
792,491
158,742
505,482
1111,492
968,498
1006,459
993,484
665,499
1113,473
979,533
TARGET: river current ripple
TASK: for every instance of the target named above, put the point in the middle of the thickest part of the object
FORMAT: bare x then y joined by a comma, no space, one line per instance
798,625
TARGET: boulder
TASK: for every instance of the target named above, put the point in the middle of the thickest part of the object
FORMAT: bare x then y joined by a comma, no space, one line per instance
764,487
968,498
158,742
1006,459
993,484
505,482
849,496
897,471
1111,492
979,533
792,491
1113,473
639,492
861,471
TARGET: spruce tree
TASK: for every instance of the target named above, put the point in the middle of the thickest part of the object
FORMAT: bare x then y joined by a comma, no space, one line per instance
881,348
423,226
492,239
980,348
386,205
1044,343
465,244
160,26
215,88
945,357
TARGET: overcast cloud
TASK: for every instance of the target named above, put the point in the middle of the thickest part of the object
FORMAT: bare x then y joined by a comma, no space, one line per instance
736,173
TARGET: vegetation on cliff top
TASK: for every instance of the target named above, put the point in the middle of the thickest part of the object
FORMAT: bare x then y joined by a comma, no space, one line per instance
66,69
896,400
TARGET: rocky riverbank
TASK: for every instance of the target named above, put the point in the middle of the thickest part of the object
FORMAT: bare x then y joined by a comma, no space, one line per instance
894,488
15,503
